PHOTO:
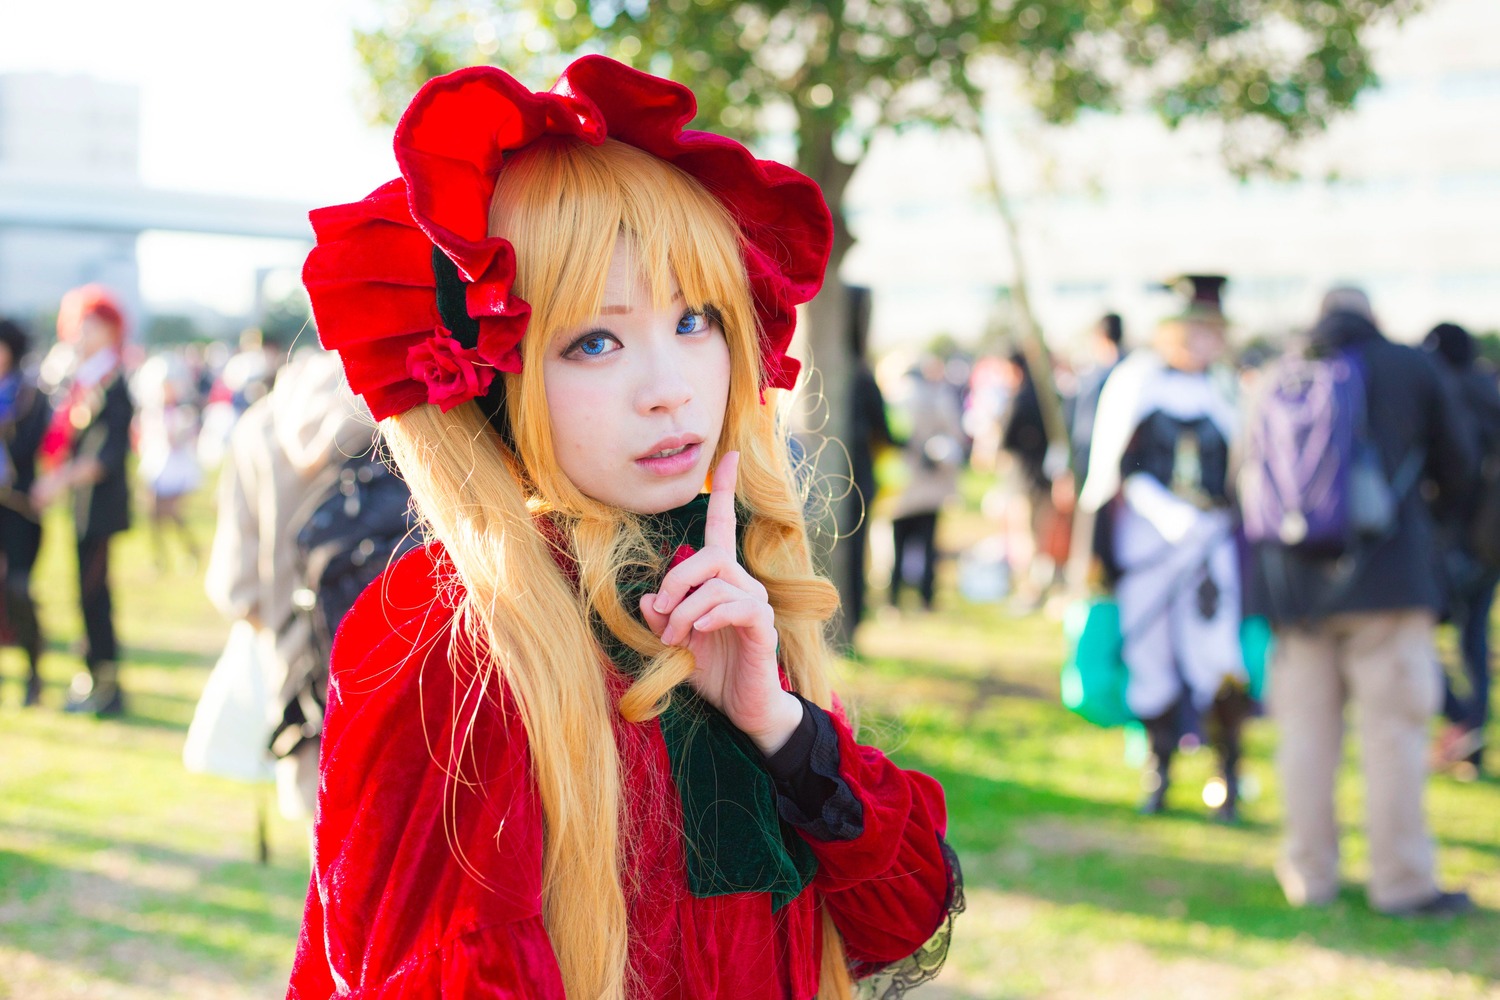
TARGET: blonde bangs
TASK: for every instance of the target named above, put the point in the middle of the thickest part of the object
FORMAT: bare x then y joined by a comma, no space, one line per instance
563,205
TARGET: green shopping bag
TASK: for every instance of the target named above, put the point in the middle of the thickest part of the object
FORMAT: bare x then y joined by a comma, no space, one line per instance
1094,675
1255,643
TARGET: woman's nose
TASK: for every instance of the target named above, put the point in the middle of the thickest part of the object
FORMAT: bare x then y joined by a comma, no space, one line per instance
665,382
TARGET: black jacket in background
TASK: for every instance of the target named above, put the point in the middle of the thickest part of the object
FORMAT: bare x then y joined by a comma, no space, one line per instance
1025,433
104,508
23,437
20,529
868,431
1479,400
1409,412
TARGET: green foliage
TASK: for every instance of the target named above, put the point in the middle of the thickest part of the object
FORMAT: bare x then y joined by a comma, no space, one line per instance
170,328
288,321
1273,71
1488,346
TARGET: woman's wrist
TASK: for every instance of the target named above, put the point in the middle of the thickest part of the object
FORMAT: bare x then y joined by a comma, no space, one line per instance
785,718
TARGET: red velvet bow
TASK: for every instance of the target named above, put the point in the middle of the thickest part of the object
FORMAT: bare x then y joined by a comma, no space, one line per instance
370,276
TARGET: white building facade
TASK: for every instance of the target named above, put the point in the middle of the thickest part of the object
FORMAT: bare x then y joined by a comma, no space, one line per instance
1402,197
65,131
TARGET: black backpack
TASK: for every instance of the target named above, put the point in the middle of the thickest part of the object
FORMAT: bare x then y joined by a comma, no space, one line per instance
356,521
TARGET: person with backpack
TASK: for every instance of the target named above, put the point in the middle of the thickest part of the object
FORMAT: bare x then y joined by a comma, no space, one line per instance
285,455
1345,566
1158,484
1468,528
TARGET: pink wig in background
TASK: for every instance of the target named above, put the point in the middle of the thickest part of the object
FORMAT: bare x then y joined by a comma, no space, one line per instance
85,301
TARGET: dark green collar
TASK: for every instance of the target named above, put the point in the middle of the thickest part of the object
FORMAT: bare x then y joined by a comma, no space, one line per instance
733,837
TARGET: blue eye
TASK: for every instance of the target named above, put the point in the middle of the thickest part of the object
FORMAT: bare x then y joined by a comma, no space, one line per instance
692,322
592,345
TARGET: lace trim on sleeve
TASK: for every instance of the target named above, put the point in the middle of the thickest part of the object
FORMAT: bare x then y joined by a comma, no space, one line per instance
893,981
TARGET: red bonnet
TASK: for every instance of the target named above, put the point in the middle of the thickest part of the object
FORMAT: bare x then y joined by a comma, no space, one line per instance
371,276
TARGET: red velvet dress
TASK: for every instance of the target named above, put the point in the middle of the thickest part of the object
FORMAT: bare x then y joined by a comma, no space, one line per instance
427,887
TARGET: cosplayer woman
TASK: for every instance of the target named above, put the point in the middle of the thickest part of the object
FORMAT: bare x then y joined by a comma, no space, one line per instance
85,451
570,315
1158,471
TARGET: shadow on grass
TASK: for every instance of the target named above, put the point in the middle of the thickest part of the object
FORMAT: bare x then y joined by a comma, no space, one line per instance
1461,843
169,713
143,710
48,907
170,658
72,649
983,687
1100,854
156,711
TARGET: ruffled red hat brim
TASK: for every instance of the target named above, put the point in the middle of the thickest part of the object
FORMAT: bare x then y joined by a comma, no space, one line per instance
370,276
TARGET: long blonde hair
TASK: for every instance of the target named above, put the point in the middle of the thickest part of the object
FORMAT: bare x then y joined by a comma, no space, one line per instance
564,205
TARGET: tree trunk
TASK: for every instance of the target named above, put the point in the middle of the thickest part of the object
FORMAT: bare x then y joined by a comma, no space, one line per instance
1032,344
824,418
1059,445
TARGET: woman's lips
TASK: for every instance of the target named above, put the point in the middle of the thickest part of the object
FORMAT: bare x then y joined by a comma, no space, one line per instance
672,464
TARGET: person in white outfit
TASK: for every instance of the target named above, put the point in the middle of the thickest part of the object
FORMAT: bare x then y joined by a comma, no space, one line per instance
1158,476
168,433
934,454
310,421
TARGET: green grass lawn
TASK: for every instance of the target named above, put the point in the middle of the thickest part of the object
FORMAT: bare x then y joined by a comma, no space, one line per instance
1072,894
123,876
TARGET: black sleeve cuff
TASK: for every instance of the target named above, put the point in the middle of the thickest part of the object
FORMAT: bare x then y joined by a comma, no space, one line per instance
787,763
811,795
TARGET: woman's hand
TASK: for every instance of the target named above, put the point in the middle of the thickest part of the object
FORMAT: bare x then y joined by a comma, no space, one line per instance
46,489
713,606
73,475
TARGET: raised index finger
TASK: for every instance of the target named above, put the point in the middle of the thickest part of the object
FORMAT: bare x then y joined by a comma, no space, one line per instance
719,529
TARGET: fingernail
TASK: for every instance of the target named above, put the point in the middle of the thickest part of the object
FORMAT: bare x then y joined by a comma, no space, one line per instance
660,605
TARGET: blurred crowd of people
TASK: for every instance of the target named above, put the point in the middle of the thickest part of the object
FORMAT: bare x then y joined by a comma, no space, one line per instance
1173,477
70,418
66,429
307,514
1191,486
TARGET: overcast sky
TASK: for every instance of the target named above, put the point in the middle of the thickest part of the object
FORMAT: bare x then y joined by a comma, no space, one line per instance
249,98
254,98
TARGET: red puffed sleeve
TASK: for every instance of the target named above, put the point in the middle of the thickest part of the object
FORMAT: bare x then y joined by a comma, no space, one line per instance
885,873
426,875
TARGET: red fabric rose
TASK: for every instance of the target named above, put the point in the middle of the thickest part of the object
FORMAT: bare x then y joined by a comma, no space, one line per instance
451,373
